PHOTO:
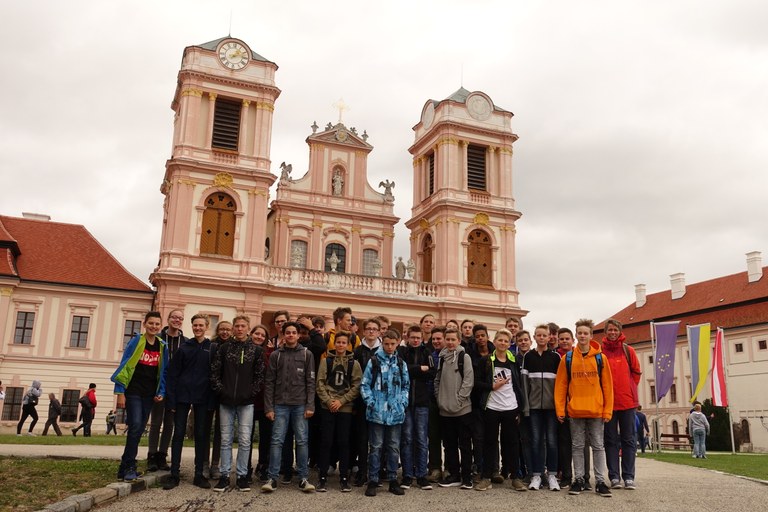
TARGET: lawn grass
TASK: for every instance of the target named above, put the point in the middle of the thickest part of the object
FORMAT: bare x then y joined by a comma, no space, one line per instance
745,464
31,484
96,439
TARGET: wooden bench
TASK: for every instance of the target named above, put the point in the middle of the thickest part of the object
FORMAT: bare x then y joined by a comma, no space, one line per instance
675,441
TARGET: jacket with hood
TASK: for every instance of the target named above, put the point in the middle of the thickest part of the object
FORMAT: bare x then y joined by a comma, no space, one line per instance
363,354
174,342
237,372
290,378
189,374
131,355
539,372
698,421
35,390
484,379
625,374
385,394
415,358
341,390
586,394
451,390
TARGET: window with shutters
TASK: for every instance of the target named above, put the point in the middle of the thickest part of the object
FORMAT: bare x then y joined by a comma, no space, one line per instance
69,404
12,403
218,234
431,174
226,124
370,262
476,167
479,258
78,336
25,321
427,247
341,257
298,254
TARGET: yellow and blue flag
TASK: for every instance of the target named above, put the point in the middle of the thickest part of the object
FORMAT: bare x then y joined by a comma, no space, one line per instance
698,345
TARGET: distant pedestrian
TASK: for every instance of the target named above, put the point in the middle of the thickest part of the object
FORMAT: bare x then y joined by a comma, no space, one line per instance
54,411
29,407
111,422
641,425
87,411
698,426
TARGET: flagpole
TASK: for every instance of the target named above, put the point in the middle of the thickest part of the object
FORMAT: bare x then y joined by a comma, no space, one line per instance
725,374
655,398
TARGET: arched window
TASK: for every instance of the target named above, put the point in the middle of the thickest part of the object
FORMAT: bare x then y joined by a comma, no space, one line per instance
745,437
218,236
371,265
479,262
675,427
426,259
298,254
341,257
266,248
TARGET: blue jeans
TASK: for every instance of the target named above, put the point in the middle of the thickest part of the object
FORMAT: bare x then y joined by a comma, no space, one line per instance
543,429
227,415
620,434
292,415
137,410
414,435
378,434
699,442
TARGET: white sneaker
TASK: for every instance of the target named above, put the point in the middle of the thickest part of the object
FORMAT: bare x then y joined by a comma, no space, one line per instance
553,485
535,483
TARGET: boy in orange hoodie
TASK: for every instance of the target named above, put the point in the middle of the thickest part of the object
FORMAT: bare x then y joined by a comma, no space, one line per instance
584,395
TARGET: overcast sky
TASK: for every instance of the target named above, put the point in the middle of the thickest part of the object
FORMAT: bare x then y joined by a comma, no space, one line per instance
643,125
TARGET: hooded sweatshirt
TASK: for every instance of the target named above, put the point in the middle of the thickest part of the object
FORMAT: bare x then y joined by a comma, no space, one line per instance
698,421
335,386
36,390
452,391
626,376
587,393
386,393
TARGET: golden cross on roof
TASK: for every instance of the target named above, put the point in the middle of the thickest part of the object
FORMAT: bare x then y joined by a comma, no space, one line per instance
341,106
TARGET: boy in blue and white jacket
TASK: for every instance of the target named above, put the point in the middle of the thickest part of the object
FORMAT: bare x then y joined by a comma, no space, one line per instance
384,390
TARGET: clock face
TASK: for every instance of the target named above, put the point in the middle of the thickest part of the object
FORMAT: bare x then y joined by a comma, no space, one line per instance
233,55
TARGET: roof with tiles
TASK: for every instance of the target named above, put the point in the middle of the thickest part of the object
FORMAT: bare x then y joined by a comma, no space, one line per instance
728,301
54,252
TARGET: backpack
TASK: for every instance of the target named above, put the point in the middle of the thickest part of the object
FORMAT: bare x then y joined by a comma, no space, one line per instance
85,402
598,358
350,367
32,399
459,362
376,367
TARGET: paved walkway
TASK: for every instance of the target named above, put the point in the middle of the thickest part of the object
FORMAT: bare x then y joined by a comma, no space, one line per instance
661,486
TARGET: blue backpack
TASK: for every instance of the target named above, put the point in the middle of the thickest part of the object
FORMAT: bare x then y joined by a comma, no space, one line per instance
598,358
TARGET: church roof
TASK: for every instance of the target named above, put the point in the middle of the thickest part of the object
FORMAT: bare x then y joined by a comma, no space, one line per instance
461,95
212,45
56,252
727,301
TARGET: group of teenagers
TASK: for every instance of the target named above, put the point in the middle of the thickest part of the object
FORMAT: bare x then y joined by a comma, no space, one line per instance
445,404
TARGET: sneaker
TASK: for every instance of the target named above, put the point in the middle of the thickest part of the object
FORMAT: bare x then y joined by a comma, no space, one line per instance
287,478
120,474
152,463
535,483
406,482
344,485
74,432
371,489
565,483
576,487
171,483
483,485
603,490
322,485
131,475
435,475
518,485
242,484
395,488
201,482
587,485
450,481
424,483
616,484
359,479
162,465
497,478
630,485
305,486
467,484
270,486
222,485
553,485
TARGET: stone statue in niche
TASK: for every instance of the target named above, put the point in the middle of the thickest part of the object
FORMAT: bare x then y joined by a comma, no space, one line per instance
285,173
297,256
333,261
388,186
400,268
411,267
337,182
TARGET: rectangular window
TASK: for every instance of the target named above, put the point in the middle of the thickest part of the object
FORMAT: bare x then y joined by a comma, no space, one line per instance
762,345
371,264
653,394
78,338
476,167
673,394
69,405
12,404
431,174
226,124
25,320
739,347
650,359
132,327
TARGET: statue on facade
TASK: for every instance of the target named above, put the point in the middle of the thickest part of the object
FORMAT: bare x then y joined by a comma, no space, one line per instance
411,267
376,267
285,173
338,183
400,268
388,186
333,261
297,256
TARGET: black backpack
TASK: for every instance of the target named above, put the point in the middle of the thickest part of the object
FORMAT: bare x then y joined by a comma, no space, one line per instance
84,402
459,362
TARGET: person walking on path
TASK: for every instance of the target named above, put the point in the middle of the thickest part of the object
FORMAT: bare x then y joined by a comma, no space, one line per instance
111,422
698,426
29,407
87,411
54,411
641,425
